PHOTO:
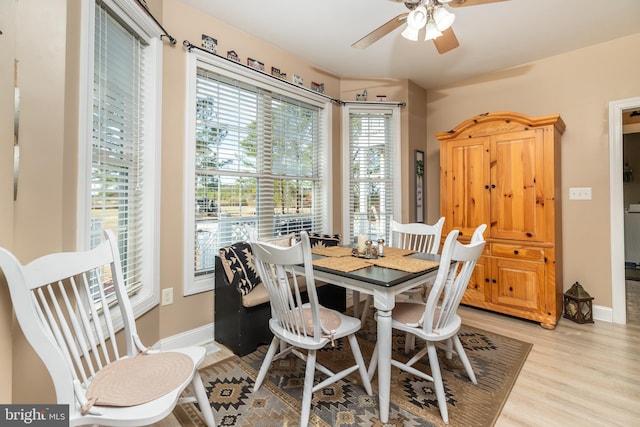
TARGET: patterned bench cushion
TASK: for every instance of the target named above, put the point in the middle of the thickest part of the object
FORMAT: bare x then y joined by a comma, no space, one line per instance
237,260
324,240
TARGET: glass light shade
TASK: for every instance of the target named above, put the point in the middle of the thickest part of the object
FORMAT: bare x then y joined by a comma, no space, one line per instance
443,18
432,31
415,21
410,34
417,18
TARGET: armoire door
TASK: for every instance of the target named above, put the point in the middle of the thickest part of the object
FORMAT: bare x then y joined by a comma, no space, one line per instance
517,193
466,204
517,285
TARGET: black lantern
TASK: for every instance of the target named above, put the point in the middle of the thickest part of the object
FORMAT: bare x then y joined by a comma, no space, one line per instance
578,304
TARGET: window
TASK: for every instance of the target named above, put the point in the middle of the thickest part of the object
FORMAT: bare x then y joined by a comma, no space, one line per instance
120,106
256,155
371,170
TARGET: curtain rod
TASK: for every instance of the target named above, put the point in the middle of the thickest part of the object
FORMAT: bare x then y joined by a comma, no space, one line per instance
189,46
143,5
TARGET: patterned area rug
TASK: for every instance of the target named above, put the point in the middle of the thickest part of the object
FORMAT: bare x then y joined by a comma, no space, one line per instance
496,360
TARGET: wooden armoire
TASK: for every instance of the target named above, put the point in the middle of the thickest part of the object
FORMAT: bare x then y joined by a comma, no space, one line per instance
503,169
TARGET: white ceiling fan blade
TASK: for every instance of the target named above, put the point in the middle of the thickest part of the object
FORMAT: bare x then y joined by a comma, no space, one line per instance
380,32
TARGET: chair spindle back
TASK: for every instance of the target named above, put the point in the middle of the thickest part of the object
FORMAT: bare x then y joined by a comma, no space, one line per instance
64,303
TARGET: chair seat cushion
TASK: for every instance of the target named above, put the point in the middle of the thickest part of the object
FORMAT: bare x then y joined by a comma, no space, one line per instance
330,320
409,313
259,294
140,379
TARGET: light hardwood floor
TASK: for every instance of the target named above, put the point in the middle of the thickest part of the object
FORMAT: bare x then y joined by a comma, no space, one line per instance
575,375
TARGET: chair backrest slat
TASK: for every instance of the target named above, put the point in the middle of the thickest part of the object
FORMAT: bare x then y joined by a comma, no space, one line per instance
45,298
457,262
416,236
90,340
277,267
66,315
75,339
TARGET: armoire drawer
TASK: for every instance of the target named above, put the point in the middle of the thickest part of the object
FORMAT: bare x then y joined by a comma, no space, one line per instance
517,252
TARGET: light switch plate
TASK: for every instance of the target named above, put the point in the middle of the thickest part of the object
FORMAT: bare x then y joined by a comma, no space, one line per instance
167,296
580,193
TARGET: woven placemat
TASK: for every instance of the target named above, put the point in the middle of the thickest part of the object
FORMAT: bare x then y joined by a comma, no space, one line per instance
390,251
331,251
410,265
344,264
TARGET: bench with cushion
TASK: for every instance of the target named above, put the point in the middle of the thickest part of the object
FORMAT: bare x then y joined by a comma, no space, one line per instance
241,307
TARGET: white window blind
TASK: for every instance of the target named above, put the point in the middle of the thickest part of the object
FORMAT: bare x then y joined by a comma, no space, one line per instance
259,160
117,165
371,189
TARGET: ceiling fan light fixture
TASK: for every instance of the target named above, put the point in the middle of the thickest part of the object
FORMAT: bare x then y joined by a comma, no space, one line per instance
416,19
432,31
443,18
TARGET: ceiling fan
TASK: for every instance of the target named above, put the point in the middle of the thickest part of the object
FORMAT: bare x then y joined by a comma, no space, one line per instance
430,14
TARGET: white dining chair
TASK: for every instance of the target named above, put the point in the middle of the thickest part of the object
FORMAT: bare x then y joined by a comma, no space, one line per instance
437,321
417,237
301,328
70,307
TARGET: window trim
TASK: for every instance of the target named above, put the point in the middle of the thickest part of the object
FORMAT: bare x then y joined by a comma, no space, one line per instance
133,16
347,109
196,59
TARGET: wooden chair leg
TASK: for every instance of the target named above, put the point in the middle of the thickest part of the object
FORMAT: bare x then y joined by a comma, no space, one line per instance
266,363
373,363
464,359
308,388
365,310
203,400
437,382
409,342
357,355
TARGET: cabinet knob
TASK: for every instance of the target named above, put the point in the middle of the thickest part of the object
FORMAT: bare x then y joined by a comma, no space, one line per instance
486,187
493,186
510,288
516,252
486,279
493,280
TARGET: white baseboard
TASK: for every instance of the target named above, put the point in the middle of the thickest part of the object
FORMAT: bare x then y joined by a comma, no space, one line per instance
202,335
602,313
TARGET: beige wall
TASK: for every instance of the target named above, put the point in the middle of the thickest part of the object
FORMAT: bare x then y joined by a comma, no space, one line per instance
417,140
37,214
7,44
577,85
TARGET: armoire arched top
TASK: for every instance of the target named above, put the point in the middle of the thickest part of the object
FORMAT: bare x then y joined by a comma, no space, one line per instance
499,122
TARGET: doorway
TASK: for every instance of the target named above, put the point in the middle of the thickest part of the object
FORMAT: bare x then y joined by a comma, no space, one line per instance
616,162
631,193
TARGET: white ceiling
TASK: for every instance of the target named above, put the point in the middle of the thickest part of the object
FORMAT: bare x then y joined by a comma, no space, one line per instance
492,36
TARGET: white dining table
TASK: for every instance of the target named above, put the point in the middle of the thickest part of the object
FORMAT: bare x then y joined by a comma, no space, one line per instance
384,284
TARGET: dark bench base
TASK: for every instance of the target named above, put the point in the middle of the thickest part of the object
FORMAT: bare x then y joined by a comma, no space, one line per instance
243,329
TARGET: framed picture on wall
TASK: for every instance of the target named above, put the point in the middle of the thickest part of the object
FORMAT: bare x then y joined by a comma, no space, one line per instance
419,171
